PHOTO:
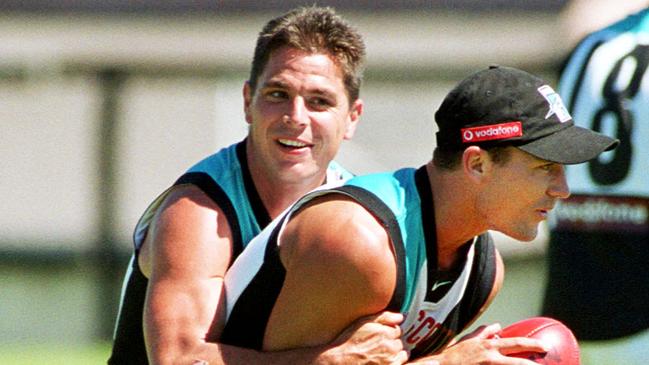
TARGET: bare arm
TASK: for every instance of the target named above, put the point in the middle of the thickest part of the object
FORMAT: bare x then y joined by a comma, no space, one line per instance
339,267
185,256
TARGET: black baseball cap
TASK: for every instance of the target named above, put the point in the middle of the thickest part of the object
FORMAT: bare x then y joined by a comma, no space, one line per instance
508,106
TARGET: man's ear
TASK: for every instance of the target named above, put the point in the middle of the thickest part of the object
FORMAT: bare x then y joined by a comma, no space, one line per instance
247,101
354,118
475,163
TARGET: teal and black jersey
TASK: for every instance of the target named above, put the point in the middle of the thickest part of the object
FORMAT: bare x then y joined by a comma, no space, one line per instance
225,178
439,305
598,254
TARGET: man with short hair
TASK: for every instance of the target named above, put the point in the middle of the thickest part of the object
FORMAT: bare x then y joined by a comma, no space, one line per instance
416,241
301,101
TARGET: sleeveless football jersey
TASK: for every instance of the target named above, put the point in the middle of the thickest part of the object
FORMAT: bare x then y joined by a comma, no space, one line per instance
599,245
225,178
439,305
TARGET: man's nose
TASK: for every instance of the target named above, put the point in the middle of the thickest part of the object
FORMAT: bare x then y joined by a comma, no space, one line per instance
559,187
298,113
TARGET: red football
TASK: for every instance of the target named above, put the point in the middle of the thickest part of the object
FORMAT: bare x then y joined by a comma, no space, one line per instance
564,347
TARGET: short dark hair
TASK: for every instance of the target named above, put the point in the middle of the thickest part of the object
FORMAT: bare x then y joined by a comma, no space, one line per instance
315,30
449,159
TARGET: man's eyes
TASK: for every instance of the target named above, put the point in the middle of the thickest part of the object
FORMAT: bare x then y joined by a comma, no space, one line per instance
317,102
320,102
277,94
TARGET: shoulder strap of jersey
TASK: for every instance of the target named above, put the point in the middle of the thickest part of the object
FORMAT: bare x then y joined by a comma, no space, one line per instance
481,280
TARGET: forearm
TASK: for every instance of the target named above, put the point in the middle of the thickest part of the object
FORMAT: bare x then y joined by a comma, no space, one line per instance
221,354
370,340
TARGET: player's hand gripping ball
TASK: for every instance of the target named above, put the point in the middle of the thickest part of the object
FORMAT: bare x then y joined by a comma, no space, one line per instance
564,349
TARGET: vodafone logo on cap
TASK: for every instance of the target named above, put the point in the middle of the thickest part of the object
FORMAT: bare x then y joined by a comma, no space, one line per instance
492,132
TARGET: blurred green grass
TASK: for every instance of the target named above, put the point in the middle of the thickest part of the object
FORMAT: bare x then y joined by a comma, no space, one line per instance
54,354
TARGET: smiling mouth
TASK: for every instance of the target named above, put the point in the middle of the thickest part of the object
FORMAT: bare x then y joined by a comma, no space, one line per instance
292,143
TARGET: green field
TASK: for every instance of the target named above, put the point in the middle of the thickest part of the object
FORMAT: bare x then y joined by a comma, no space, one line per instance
33,354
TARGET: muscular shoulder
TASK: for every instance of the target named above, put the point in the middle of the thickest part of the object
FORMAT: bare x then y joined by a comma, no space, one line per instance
339,267
337,224
342,239
188,195
188,224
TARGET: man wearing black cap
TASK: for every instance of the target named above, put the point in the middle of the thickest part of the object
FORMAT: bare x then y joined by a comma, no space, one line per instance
416,240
